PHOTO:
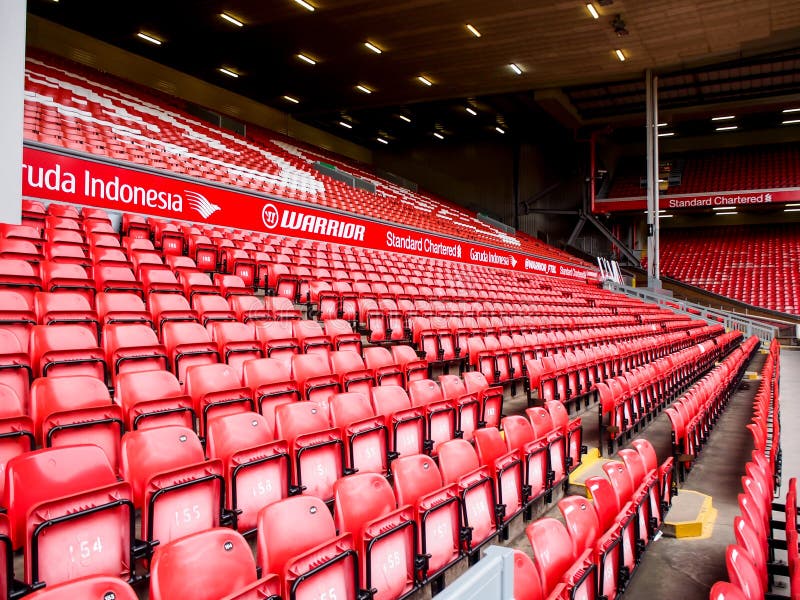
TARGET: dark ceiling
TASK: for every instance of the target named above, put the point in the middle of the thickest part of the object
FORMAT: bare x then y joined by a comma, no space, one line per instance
707,53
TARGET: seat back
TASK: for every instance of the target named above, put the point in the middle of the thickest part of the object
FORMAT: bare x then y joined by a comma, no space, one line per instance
89,588
527,582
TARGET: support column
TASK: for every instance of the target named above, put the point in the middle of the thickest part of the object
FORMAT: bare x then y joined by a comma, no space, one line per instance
12,107
653,274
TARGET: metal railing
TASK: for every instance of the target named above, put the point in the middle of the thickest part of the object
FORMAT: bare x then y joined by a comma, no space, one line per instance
731,321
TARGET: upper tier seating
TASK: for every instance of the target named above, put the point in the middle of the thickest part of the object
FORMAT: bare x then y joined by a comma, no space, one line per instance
70,106
724,170
756,264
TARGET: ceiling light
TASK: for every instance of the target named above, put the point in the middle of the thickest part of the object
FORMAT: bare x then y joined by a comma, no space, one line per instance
404,118
620,55
499,129
724,208
661,125
515,68
438,135
728,128
364,89
305,5
149,38
791,210
424,80
728,213
471,111
666,134
592,10
232,20
291,99
382,141
473,31
665,216
307,59
228,72
723,118
790,122
345,124
790,110
792,204
373,47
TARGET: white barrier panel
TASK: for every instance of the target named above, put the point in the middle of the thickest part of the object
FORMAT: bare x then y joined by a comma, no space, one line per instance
490,579
12,106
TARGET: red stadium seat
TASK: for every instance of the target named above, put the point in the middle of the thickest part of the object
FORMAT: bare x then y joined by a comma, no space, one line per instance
67,350
564,574
153,399
102,587
132,347
216,390
365,433
188,344
406,424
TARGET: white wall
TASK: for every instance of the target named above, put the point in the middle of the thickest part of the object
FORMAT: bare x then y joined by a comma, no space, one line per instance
12,107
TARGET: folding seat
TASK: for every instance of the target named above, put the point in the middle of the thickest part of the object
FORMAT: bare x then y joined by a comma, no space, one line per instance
69,277
506,469
571,430
167,308
216,389
543,428
203,252
585,532
188,344
212,308
65,350
97,586
441,415
18,249
564,574
534,453
459,465
152,399
236,342
437,510
467,405
130,347
78,520
282,282
257,467
237,262
722,590
527,582
383,365
167,237
297,539
406,424
342,336
623,484
311,337
353,374
110,278
195,282
743,573
364,432
160,281
231,285
277,338
365,506
316,381
271,384
490,397
317,450
121,307
413,367
664,471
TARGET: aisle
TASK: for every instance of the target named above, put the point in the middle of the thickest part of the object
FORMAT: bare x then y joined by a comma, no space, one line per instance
790,415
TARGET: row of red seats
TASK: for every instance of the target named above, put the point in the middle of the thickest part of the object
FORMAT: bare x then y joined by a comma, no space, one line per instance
595,552
693,416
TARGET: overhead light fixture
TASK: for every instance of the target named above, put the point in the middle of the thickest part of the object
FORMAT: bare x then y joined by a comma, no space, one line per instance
438,135
228,72
306,59
666,134
515,68
790,122
791,210
665,216
724,208
723,118
425,80
382,140
790,110
149,38
305,5
661,125
473,31
592,11
231,20
728,128
291,99
499,129
404,118
373,47
792,204
728,213
364,89
620,55
471,111
345,124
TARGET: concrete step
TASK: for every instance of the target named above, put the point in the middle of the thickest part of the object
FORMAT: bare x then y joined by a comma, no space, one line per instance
692,515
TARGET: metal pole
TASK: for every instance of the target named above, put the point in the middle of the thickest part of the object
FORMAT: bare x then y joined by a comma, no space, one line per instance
656,190
652,181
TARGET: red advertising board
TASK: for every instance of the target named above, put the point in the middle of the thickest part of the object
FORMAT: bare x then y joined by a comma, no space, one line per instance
69,178
709,200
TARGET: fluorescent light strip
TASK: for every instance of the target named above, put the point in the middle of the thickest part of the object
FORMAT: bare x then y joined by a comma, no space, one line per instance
661,125
665,216
728,128
291,99
345,124
515,68
724,208
373,47
790,110
592,11
666,134
382,141
499,129
790,122
791,210
228,72
620,55
473,31
471,111
404,118
149,38
232,20
364,89
424,80
307,59
305,5
728,213
792,204
723,118
438,135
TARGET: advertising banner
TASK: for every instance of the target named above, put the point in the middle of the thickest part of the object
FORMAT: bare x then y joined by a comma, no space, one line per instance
689,201
69,178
